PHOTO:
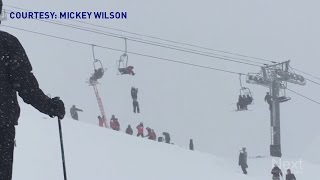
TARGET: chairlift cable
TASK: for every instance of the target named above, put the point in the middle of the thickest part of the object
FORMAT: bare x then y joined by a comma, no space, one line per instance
114,49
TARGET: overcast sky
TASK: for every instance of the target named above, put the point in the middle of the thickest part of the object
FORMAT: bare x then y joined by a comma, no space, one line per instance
188,102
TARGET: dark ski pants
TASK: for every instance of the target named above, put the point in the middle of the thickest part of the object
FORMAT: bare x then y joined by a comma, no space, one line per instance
136,108
140,134
7,136
244,168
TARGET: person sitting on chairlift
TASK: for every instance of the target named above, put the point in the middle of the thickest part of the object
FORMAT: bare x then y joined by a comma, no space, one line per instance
245,102
127,70
249,99
240,103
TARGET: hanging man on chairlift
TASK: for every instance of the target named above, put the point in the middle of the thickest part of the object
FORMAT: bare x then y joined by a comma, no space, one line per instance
98,73
135,103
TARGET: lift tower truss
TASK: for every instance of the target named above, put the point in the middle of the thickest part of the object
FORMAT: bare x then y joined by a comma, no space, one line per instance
275,77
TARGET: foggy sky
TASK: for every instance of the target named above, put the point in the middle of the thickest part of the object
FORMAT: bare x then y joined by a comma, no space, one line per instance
186,101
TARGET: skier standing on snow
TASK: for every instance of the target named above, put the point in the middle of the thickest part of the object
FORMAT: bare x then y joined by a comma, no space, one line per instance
140,130
191,147
101,121
166,137
16,77
243,156
74,112
276,173
290,176
129,130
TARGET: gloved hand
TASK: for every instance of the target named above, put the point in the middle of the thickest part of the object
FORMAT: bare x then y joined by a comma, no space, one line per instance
57,108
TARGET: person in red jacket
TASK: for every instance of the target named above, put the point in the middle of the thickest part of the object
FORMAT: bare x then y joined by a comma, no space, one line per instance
140,130
114,123
101,121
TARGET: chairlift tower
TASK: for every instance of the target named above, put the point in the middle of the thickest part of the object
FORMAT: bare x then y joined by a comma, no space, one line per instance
275,77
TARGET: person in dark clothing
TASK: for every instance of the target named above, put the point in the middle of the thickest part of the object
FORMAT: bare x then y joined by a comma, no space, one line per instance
98,73
74,112
166,137
16,77
129,130
245,102
136,108
135,103
290,176
268,99
276,172
160,139
240,103
243,156
127,70
249,99
191,147
134,93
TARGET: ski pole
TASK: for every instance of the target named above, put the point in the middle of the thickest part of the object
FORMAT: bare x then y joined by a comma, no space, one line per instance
62,150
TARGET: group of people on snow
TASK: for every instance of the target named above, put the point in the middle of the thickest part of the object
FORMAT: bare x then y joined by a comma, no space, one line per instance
276,171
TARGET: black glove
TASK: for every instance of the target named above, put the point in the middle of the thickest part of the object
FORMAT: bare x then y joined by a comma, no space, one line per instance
57,108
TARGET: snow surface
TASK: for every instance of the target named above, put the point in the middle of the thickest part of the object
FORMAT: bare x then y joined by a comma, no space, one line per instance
98,153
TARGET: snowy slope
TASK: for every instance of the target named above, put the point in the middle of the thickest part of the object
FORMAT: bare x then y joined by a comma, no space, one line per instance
98,153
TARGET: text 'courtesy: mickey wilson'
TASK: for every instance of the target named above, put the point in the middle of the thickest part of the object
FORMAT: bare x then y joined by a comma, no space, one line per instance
68,15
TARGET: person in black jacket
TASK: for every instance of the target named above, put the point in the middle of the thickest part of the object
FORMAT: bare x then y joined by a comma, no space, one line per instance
290,176
268,99
276,172
191,147
243,156
16,77
166,137
129,130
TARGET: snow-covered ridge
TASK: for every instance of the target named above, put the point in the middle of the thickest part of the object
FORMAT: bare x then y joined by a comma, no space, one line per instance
97,153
